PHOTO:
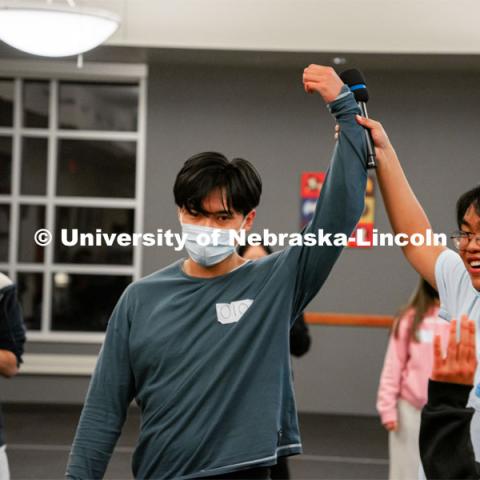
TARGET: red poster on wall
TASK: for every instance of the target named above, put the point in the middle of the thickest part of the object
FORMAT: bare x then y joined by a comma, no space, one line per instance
310,187
311,184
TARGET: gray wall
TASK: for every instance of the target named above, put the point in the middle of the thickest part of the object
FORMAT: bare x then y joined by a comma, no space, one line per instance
264,115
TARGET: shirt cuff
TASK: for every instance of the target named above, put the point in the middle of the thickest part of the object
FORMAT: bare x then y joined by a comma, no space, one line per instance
343,92
451,394
390,416
344,103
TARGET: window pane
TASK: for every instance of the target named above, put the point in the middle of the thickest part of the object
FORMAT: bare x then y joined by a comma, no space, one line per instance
85,302
32,218
5,165
98,106
4,232
6,103
88,220
35,104
34,166
96,168
30,294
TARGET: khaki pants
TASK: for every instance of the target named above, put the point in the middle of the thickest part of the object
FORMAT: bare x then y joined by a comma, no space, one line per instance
403,444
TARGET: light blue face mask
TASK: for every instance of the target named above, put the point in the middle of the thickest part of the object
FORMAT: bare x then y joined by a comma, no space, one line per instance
215,251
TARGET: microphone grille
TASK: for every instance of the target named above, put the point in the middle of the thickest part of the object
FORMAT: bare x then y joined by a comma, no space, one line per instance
356,82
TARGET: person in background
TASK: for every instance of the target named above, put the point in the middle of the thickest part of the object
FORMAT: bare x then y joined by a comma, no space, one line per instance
12,340
404,380
455,274
299,345
446,447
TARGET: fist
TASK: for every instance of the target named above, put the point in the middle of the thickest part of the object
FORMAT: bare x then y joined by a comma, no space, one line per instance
323,80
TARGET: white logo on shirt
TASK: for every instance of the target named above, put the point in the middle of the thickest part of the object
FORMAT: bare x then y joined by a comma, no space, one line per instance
232,312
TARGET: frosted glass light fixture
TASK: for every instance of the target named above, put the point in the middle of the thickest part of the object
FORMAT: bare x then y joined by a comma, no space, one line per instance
55,30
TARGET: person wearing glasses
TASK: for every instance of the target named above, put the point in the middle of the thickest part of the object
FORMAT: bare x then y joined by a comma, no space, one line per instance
455,274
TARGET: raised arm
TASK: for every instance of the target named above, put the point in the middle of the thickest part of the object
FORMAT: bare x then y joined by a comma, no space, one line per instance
404,211
342,197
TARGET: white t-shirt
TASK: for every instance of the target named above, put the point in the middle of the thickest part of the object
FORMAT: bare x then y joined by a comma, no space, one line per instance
458,297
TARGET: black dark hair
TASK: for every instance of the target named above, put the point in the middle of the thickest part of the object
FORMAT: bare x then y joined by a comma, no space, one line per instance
208,171
468,199
242,249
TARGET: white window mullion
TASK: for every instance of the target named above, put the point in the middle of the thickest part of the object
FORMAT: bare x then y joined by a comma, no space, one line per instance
32,199
30,267
61,71
66,337
97,269
50,207
15,184
76,268
35,132
97,202
140,174
91,71
97,135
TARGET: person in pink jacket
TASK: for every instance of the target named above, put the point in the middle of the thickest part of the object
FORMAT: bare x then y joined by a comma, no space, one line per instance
403,385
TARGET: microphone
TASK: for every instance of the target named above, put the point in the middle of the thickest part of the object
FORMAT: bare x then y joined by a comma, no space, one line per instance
355,81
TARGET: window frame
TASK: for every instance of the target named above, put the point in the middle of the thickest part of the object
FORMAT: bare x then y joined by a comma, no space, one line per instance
54,72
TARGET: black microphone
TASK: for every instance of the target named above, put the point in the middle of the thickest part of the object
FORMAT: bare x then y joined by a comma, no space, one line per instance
355,80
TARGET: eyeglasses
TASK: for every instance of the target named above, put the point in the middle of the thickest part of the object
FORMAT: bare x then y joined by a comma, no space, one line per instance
462,239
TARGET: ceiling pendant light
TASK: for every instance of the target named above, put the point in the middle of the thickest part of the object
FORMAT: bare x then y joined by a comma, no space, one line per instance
55,30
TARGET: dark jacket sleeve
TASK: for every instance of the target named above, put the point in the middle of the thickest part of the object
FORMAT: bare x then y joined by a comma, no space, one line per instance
446,449
12,328
299,337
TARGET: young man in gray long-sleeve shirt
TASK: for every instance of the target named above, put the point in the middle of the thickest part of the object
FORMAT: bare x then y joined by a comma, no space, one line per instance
202,345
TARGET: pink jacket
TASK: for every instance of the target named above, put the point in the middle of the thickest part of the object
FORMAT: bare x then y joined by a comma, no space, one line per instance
408,364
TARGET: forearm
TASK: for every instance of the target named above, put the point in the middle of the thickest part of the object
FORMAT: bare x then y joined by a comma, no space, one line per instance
445,418
406,215
391,379
8,364
404,210
95,439
103,415
109,394
342,198
338,209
